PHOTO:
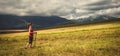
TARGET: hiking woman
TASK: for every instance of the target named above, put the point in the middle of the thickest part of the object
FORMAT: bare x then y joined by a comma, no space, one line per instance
31,33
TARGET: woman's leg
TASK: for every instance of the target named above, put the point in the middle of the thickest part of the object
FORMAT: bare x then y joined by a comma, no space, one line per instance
30,43
27,45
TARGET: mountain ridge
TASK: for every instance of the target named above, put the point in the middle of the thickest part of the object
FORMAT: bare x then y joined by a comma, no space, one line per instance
18,22
94,18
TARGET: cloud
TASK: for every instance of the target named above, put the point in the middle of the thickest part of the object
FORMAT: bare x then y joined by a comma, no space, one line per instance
70,9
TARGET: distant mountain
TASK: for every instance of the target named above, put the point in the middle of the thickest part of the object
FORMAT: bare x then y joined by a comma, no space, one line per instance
94,21
18,22
94,18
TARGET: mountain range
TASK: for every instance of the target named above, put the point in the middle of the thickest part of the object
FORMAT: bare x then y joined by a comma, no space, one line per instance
19,22
95,19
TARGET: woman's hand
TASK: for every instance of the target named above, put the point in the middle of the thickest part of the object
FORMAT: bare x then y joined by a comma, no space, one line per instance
35,32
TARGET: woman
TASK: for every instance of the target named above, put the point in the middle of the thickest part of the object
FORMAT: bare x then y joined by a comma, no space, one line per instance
31,33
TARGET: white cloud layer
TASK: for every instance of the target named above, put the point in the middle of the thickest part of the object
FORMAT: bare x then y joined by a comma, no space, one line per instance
70,9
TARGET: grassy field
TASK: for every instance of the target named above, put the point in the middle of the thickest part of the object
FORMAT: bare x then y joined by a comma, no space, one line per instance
86,40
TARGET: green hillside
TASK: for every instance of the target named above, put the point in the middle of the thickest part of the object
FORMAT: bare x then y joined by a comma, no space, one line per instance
84,40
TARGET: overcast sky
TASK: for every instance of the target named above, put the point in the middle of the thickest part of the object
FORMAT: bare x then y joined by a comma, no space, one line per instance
70,9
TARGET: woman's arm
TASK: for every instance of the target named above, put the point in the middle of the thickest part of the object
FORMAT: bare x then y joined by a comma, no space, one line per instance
29,29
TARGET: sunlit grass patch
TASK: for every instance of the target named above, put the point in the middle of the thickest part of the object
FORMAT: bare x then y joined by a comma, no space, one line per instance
93,40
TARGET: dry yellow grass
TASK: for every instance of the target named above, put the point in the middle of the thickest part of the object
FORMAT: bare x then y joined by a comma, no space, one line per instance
89,40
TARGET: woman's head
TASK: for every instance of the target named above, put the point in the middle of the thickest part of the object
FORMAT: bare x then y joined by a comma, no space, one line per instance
29,24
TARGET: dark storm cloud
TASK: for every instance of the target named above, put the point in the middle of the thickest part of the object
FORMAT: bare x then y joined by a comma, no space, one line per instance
106,4
70,9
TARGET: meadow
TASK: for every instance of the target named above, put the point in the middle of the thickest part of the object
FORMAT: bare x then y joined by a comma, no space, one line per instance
86,40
